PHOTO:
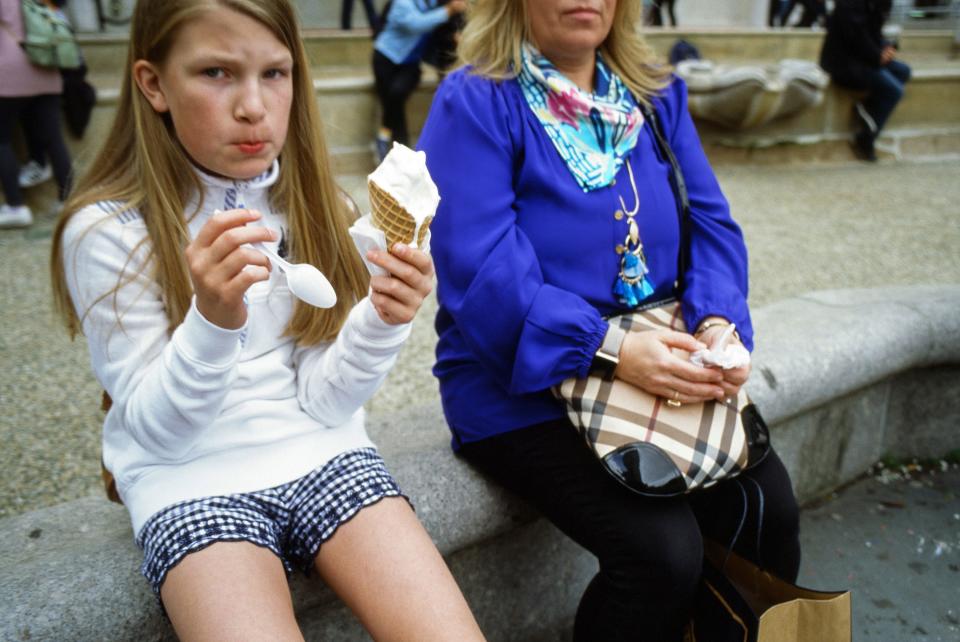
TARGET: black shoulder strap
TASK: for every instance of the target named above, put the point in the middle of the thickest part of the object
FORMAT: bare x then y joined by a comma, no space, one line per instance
680,193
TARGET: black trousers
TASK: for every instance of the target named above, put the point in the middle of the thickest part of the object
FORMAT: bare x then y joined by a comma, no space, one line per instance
346,13
649,550
656,13
40,117
395,83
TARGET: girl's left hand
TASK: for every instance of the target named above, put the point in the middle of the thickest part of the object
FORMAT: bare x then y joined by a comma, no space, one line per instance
397,297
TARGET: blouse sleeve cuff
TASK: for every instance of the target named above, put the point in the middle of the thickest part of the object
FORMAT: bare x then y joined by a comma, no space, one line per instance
596,339
734,312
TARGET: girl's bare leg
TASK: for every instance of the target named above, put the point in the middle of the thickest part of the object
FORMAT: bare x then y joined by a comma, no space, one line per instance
230,591
384,566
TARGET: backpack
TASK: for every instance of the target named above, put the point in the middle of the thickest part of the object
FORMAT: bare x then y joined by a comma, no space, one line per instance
48,38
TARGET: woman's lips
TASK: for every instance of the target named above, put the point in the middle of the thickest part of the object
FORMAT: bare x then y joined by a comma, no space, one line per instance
251,147
583,13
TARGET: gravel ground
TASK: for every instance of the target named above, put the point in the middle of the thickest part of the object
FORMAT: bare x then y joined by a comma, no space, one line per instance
807,227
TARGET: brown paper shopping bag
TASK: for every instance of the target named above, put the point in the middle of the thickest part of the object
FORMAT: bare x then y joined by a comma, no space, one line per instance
748,604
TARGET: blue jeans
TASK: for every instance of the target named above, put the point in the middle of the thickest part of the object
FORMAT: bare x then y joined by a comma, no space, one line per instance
885,91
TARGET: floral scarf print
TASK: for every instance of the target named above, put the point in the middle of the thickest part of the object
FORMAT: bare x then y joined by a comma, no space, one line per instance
593,132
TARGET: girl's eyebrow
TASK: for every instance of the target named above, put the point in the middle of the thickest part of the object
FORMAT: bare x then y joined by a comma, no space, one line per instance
219,57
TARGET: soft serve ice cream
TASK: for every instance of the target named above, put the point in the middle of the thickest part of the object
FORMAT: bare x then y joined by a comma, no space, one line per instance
403,202
403,197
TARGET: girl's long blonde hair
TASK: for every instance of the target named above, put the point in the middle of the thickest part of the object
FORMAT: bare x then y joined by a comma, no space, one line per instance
142,165
496,30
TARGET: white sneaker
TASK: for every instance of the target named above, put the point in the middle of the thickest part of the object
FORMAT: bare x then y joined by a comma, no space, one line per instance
19,216
33,173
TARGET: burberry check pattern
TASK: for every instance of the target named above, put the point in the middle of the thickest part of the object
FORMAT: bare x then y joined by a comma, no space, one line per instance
707,442
292,520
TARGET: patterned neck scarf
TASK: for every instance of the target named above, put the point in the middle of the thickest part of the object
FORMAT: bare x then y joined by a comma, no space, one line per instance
593,132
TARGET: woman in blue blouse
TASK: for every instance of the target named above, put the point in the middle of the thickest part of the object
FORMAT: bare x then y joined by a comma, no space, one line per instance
550,183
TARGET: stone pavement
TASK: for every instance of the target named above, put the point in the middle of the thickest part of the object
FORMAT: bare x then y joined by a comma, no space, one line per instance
893,539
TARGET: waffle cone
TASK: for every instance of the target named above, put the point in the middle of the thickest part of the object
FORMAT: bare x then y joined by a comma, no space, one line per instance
397,224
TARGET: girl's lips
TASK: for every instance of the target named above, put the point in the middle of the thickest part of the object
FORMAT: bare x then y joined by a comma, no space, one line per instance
251,147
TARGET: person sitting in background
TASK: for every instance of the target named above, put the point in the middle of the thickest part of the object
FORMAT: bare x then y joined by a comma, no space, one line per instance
397,52
551,182
857,56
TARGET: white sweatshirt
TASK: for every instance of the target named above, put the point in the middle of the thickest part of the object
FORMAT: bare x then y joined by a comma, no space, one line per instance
209,411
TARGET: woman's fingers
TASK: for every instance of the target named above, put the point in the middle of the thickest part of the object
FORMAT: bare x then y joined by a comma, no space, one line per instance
737,376
692,392
681,367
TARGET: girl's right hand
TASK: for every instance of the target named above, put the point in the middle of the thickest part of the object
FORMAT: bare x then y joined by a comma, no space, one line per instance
223,267
647,362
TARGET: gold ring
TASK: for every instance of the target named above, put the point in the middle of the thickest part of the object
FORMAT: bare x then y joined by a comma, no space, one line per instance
675,402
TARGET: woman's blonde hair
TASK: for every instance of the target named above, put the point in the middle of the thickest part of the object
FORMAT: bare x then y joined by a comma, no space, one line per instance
496,30
142,165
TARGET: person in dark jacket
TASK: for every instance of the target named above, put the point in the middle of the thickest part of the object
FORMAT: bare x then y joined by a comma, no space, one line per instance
857,56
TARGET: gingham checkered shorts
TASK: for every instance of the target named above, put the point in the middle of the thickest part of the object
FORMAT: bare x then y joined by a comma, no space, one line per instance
292,520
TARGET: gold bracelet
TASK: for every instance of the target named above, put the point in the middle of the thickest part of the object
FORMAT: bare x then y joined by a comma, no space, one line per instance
712,324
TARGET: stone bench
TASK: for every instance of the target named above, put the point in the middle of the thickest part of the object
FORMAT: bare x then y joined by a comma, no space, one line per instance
842,377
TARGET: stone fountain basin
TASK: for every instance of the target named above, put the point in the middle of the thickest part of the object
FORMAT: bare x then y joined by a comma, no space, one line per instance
748,96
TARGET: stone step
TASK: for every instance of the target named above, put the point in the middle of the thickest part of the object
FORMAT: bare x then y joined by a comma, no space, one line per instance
925,124
328,48
732,44
928,116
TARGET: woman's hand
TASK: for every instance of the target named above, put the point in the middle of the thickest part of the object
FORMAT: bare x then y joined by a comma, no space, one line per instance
734,378
647,362
397,297
222,266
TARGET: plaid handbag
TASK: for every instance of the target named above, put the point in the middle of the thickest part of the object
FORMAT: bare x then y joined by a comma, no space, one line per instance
651,447
647,445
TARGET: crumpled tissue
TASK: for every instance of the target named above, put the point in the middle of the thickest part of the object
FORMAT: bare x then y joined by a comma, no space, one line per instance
722,353
366,237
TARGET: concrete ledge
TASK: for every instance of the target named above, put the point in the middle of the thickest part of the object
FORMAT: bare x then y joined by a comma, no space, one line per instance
842,377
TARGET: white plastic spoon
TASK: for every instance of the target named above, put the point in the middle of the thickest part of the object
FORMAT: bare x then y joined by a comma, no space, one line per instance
305,281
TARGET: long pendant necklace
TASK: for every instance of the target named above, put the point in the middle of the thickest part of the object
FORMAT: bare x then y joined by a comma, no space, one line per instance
632,284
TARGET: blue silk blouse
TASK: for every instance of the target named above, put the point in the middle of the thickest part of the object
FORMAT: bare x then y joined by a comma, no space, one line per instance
526,260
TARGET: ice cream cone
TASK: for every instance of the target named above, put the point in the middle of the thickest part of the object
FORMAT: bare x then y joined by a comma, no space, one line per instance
397,224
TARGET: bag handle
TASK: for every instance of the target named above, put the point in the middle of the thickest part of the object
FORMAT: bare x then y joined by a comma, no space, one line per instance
679,186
